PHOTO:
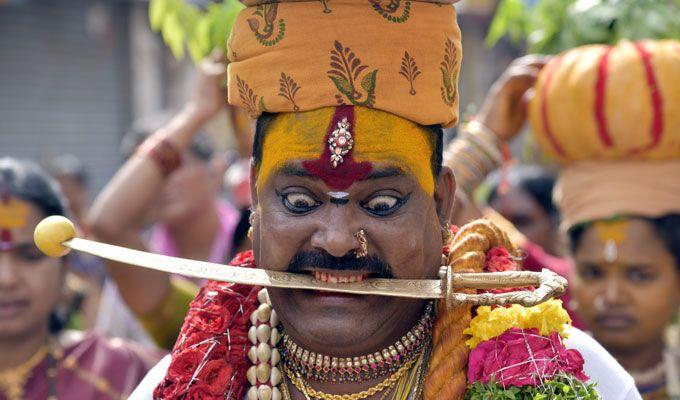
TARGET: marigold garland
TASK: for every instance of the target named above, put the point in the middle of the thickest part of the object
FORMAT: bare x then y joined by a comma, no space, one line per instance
547,317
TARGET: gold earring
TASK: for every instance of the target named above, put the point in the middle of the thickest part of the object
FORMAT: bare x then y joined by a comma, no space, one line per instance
251,221
447,232
362,251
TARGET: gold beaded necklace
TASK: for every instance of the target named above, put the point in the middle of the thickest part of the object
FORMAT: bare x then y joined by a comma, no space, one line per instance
405,386
324,368
13,380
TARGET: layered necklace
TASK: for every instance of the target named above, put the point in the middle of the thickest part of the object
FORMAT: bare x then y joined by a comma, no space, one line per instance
406,383
275,356
390,360
403,364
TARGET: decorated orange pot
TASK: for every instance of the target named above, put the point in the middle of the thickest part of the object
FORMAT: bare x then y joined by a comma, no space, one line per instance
602,102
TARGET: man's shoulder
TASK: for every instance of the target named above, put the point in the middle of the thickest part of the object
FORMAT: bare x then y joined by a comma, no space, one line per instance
613,382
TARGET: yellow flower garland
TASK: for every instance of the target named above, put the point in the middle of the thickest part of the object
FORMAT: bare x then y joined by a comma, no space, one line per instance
547,317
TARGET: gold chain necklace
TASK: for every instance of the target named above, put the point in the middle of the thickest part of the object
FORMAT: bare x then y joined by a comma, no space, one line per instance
324,368
414,381
12,380
287,396
311,393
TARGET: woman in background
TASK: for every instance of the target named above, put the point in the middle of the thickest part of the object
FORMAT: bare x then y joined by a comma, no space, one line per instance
523,196
619,198
39,359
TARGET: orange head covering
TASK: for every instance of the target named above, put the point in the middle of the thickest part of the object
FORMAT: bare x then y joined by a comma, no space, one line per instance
402,57
610,115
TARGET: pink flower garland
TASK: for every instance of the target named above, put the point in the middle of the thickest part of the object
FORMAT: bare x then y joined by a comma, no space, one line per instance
521,357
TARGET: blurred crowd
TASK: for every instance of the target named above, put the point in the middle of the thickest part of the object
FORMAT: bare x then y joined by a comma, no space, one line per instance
113,322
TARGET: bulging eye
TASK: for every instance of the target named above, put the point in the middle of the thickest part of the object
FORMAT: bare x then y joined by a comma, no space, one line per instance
384,205
299,203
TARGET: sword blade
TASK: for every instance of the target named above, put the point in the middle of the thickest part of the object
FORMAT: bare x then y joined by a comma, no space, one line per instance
411,288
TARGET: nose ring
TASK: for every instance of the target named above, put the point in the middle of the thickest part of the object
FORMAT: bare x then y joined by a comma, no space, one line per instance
362,250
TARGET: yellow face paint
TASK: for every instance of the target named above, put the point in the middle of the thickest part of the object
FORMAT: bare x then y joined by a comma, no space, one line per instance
13,213
378,137
612,233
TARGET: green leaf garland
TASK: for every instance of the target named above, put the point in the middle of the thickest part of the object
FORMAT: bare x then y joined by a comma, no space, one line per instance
561,387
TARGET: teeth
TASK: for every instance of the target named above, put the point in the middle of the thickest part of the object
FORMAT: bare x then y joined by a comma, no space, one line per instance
333,278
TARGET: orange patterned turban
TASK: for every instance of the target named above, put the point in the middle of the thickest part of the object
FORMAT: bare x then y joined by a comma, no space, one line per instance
399,56
610,115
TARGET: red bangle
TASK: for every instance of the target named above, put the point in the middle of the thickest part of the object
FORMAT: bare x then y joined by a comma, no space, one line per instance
163,152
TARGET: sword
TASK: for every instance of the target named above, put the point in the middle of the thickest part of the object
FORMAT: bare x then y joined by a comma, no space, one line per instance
56,236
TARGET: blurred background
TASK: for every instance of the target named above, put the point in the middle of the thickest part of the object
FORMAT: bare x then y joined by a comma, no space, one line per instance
76,74
84,83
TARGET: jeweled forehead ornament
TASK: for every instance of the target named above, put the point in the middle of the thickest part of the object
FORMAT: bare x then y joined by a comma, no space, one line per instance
340,143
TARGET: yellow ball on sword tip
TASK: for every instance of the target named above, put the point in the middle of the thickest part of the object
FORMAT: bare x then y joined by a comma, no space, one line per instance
51,232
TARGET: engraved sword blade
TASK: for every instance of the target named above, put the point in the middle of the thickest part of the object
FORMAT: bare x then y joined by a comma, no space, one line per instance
549,283
417,288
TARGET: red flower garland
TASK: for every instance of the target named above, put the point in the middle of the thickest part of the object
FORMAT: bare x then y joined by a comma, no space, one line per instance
209,360
498,259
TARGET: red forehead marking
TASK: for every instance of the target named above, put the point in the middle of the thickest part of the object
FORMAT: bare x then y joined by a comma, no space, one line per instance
349,171
5,234
5,240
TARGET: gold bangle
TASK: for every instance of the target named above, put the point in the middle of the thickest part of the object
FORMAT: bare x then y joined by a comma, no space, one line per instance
468,165
483,137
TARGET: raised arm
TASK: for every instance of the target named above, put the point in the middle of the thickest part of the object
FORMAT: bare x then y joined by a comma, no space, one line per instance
117,215
477,151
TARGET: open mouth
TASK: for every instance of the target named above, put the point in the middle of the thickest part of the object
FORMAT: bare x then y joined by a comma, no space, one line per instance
339,276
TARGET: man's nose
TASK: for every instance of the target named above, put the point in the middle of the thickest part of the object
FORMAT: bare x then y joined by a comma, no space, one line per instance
336,235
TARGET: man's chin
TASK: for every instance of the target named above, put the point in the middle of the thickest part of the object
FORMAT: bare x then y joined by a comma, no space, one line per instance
331,323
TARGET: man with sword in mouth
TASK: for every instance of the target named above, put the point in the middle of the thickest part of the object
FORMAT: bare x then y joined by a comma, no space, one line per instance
348,186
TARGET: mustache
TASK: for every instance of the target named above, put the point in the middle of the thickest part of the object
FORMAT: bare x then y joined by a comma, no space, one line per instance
307,260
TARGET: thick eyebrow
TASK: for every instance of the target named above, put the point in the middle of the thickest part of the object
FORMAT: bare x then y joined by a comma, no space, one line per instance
296,170
389,172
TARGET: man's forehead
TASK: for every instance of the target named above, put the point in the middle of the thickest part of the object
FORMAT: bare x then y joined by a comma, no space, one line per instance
378,171
341,145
